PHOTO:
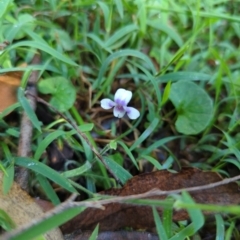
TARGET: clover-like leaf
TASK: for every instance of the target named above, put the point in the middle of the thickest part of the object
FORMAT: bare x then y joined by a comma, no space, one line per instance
193,105
62,91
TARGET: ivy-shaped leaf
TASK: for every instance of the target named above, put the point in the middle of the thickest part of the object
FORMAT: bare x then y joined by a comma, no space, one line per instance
193,105
62,91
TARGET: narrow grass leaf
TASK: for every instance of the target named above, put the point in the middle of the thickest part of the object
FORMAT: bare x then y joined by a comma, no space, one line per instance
179,54
129,153
122,174
48,224
77,171
46,171
119,5
187,76
120,34
150,78
46,141
94,234
233,161
6,222
167,221
27,108
142,16
3,7
45,48
106,12
8,110
160,229
8,176
232,145
195,214
167,203
158,144
8,179
220,227
196,217
170,31
48,189
152,160
96,39
150,129
119,54
166,93
229,232
86,127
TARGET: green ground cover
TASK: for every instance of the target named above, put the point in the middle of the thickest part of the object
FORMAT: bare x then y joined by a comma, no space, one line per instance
180,60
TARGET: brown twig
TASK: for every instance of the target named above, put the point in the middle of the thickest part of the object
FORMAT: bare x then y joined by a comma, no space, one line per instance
24,146
74,125
69,204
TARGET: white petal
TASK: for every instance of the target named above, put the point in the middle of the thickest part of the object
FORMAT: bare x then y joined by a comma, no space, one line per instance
118,113
132,113
122,97
107,103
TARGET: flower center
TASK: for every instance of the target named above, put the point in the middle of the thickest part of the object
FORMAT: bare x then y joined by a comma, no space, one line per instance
120,108
120,102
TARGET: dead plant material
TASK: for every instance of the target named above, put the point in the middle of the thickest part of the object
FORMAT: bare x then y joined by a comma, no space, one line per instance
8,89
24,147
204,187
23,209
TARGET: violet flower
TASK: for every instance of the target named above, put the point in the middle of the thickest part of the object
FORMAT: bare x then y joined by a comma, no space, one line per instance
119,105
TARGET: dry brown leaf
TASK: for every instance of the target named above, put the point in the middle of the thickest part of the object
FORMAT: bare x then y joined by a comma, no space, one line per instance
8,87
23,209
117,215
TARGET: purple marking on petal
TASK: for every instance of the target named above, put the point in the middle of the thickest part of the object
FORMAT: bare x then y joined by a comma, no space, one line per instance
110,104
120,108
120,102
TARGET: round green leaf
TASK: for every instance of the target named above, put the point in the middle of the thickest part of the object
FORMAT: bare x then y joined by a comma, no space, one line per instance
62,90
194,107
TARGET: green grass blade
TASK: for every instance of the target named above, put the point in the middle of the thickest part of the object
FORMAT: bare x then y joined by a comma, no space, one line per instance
145,134
77,171
47,224
160,229
158,144
119,54
46,171
120,34
8,179
168,30
153,161
122,174
48,189
46,141
119,5
6,222
94,234
167,221
178,76
45,48
8,110
196,217
27,108
220,227
8,176
3,7
129,153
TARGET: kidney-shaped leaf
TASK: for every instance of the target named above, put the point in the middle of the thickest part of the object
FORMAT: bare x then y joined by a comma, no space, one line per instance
194,107
62,90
